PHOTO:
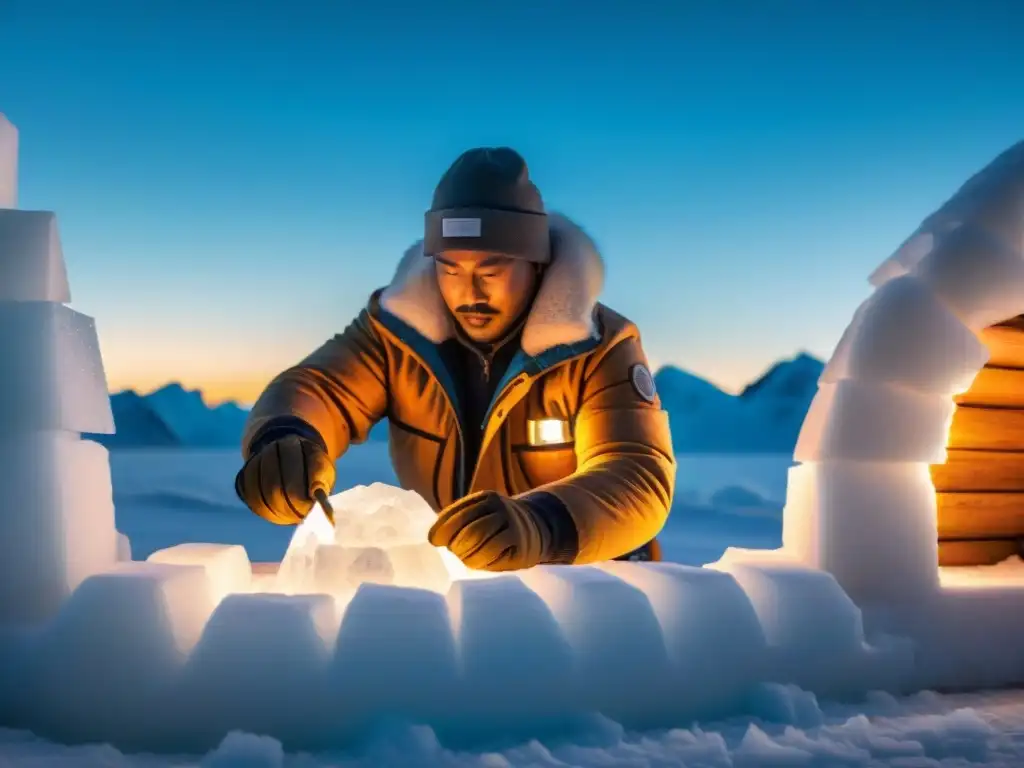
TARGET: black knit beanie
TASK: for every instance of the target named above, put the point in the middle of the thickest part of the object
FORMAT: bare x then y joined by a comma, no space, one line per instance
486,202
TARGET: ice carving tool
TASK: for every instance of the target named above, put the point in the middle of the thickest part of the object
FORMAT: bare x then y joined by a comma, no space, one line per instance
325,504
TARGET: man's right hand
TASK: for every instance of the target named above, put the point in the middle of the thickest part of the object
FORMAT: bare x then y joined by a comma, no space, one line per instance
278,480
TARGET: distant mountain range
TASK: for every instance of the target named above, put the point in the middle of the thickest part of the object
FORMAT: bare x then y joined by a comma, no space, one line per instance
175,417
764,418
172,416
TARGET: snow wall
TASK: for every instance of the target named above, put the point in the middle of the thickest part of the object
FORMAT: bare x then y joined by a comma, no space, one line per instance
369,622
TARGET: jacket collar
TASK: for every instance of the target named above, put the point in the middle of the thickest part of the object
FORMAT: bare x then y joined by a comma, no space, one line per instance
562,314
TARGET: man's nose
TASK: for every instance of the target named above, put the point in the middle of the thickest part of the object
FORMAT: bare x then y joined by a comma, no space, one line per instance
478,293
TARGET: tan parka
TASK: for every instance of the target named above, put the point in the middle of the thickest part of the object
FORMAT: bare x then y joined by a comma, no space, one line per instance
603,449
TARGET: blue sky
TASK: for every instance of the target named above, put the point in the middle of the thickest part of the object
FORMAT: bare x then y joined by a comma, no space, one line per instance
233,178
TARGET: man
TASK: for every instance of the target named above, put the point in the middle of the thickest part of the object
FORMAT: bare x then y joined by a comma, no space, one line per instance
521,409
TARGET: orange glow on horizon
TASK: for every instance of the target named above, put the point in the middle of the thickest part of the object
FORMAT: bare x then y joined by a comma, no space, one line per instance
236,371
245,388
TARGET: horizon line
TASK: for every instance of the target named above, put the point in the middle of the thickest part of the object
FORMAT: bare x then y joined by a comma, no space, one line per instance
241,403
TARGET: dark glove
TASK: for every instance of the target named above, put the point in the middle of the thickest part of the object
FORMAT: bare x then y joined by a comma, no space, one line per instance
280,477
490,532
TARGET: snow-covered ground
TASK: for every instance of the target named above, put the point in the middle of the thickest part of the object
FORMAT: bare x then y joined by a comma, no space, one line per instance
167,497
922,731
170,497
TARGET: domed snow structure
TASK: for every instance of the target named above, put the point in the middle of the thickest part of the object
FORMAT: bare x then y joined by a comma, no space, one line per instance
910,482
912,453
368,620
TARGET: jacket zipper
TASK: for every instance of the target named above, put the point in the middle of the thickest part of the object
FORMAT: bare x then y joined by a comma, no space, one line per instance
464,480
464,483
508,389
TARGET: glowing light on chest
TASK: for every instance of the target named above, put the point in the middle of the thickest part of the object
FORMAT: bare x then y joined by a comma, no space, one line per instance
548,432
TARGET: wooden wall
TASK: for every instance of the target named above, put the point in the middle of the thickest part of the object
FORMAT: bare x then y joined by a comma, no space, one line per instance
980,488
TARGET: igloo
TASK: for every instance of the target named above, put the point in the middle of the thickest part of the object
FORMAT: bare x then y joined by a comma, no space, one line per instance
366,620
909,484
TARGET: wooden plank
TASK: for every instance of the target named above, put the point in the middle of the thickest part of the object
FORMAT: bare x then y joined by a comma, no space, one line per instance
1000,387
980,471
980,515
1014,322
1005,343
1000,429
954,553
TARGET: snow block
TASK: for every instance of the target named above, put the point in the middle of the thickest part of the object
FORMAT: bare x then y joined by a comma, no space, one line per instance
791,598
8,163
395,655
813,629
1007,163
962,638
31,259
911,251
622,668
56,521
903,335
60,384
874,422
516,665
261,666
978,277
994,204
123,547
712,633
227,565
114,650
870,524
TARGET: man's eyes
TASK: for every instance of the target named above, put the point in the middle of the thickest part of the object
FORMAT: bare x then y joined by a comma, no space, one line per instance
484,275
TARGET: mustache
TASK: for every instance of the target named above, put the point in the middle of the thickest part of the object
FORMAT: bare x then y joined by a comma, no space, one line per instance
476,309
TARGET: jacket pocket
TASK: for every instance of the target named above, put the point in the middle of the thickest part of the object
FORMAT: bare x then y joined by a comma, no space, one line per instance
416,458
543,464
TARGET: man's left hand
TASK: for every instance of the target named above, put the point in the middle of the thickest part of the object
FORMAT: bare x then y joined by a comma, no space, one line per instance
490,532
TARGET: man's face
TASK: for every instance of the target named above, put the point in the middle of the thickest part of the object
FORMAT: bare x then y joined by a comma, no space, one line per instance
485,292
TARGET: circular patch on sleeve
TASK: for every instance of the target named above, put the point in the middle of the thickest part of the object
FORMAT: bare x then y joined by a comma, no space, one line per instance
643,382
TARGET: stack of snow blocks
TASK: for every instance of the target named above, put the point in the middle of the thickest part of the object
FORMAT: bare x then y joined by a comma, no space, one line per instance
56,506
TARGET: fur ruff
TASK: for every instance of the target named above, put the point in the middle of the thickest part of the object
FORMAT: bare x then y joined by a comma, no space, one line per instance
562,313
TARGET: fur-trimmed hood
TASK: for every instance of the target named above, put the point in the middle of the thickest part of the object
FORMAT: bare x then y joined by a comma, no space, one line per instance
562,313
